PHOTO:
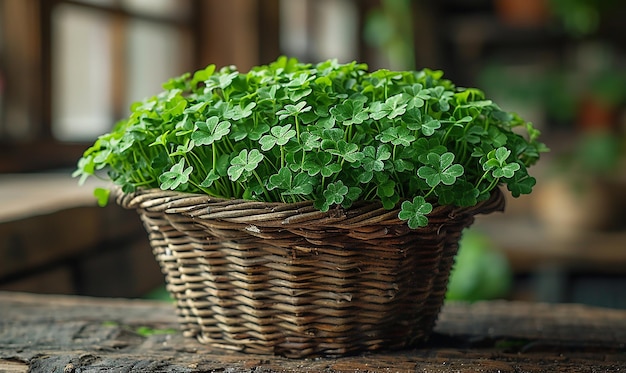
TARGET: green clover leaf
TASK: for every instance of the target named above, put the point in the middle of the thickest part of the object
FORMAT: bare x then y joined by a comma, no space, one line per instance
506,171
210,131
497,163
350,112
396,136
281,180
310,141
177,175
386,189
373,158
183,149
225,80
418,96
521,183
238,112
442,97
244,161
279,135
293,110
300,184
348,151
202,75
440,169
210,178
415,121
320,163
393,107
335,193
414,212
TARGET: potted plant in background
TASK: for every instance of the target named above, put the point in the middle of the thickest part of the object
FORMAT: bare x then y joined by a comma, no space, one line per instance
304,210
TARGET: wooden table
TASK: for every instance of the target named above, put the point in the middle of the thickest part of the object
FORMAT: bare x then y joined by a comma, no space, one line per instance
47,333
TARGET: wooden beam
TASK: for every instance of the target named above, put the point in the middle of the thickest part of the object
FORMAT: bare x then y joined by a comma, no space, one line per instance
238,32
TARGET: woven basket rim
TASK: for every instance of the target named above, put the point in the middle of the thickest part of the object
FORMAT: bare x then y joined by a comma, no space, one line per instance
204,207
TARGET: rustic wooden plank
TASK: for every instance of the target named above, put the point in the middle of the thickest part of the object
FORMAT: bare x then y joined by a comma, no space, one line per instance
44,238
79,334
8,366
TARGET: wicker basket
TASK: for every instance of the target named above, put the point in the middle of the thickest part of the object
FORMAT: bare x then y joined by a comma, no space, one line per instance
285,279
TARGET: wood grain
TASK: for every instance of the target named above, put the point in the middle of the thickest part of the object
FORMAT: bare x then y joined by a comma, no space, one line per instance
77,334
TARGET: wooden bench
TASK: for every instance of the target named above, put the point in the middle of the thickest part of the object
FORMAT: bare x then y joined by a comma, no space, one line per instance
55,239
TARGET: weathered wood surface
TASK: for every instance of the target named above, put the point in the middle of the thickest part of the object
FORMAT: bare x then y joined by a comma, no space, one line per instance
43,333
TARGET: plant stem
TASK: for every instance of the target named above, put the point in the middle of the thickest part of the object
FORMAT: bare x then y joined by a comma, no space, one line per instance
214,157
295,118
265,192
430,192
282,156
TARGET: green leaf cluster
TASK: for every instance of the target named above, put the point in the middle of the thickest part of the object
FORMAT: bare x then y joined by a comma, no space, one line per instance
330,133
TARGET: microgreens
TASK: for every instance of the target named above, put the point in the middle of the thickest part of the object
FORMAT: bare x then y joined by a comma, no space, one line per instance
329,133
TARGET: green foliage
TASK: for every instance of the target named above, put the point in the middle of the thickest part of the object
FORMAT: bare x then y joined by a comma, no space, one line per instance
329,133
480,271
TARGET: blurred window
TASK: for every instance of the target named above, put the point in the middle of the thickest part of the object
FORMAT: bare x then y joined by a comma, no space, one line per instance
73,69
117,52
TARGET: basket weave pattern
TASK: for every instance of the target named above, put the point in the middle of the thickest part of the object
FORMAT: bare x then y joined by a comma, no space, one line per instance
286,279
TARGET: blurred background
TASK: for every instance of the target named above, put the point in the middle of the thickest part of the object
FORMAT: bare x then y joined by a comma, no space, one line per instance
69,69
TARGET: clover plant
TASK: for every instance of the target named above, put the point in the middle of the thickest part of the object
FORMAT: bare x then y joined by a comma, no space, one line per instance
329,133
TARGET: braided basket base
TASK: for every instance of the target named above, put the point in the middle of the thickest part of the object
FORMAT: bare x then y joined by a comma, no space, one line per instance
285,279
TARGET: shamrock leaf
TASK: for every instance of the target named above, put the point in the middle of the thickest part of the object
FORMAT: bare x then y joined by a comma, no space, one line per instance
440,169
310,141
299,86
184,148
210,131
414,212
373,158
350,112
386,188
497,163
300,184
259,130
507,170
320,163
415,121
393,107
244,161
335,193
442,97
281,180
424,146
418,96
202,75
177,175
210,178
396,136
225,80
279,135
391,201
348,151
293,110
238,112
521,183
